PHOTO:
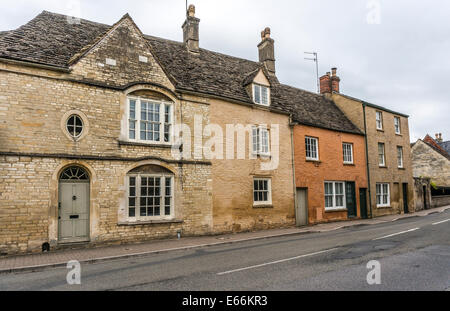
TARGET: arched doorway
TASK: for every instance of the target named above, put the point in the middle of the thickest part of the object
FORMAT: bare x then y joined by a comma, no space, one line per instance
73,205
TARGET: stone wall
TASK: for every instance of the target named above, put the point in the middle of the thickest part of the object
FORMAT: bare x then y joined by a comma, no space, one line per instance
233,179
430,164
390,173
440,201
29,200
422,194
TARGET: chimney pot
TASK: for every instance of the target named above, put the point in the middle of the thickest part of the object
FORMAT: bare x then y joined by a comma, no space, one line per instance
191,10
333,70
267,51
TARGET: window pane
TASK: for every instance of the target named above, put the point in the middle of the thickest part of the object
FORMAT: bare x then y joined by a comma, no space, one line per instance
131,212
264,95
257,90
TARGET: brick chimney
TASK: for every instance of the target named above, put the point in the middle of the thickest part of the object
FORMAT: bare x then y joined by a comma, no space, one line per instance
267,51
439,138
330,82
325,83
191,31
335,80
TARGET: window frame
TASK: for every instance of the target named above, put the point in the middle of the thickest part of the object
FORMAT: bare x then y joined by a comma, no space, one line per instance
397,126
379,121
334,196
384,155
75,126
261,87
400,162
382,194
316,149
260,129
269,191
162,205
162,118
351,153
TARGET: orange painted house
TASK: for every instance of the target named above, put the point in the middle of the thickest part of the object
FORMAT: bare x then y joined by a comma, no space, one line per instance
329,160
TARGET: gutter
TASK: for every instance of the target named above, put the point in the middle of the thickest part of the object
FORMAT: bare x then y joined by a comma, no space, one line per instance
367,160
34,65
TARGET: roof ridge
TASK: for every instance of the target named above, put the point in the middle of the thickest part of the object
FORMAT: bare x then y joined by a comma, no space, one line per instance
303,90
65,15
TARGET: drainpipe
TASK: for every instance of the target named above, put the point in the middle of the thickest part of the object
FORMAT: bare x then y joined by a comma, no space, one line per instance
367,160
292,125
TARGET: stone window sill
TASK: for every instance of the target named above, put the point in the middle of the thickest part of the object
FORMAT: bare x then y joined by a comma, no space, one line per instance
150,222
402,169
383,166
334,210
313,161
349,164
263,205
134,143
382,131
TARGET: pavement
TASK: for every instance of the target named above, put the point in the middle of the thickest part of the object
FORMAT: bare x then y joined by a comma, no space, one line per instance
60,258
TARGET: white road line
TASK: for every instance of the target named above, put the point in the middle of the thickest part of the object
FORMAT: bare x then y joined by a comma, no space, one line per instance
440,222
275,262
394,234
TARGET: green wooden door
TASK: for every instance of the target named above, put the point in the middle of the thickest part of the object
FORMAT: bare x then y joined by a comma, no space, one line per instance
350,197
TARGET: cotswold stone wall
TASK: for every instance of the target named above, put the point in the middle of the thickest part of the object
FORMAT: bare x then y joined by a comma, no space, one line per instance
29,200
35,147
390,173
233,206
430,164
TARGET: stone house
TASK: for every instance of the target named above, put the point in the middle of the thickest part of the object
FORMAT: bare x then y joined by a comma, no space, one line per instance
91,150
431,162
389,168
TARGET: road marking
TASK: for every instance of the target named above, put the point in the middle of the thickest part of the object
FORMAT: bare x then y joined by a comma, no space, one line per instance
394,234
275,262
440,222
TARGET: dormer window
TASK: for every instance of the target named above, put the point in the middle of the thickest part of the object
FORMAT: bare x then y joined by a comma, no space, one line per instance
261,95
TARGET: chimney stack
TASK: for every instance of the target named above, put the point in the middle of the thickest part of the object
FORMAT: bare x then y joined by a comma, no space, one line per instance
439,138
325,83
267,51
329,83
191,31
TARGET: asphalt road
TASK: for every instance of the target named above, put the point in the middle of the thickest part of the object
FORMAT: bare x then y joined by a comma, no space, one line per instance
416,259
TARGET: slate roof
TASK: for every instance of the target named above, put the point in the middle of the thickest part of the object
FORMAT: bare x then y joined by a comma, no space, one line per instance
446,146
49,39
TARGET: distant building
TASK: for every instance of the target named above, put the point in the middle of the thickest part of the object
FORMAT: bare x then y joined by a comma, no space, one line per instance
431,161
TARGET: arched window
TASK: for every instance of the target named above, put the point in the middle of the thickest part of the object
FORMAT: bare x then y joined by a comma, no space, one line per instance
74,173
150,193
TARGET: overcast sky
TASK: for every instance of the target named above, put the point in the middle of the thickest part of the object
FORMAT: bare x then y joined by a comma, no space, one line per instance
390,53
